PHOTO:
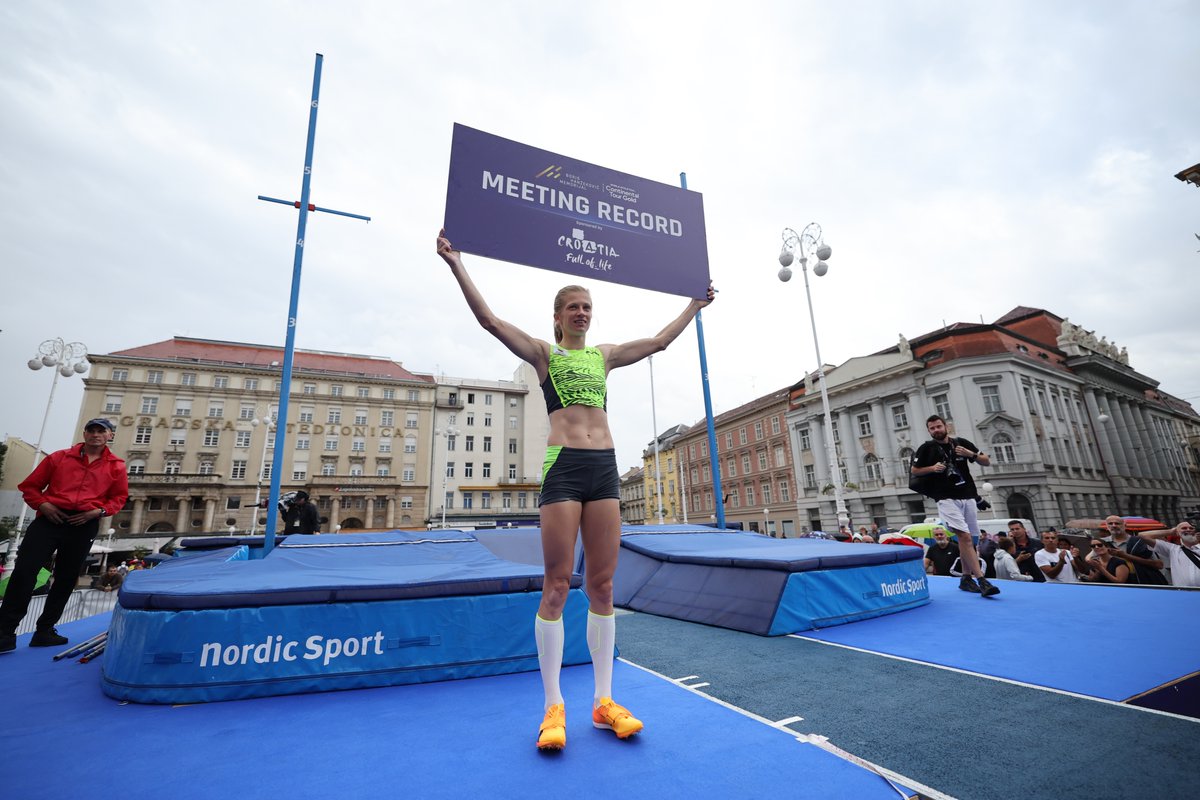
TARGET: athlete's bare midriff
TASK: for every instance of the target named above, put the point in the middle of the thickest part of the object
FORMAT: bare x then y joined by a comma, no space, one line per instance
585,427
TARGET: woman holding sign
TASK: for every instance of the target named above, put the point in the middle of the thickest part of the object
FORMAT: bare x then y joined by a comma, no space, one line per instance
580,489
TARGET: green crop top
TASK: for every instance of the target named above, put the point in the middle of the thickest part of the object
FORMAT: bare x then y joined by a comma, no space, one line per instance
575,378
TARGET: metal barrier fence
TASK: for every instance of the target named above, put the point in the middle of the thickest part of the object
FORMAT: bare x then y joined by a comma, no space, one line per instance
82,603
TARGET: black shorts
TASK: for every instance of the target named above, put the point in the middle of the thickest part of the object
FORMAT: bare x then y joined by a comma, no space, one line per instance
579,474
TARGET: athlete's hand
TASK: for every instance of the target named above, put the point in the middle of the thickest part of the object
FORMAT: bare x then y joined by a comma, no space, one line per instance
447,251
939,466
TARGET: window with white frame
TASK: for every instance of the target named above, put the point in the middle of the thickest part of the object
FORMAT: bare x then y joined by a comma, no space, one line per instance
766,494
356,470
206,468
250,384
328,468
410,473
173,466
120,374
216,409
137,467
729,441
300,471
246,411
142,434
334,416
512,472
363,391
154,376
741,435
780,456
112,404
762,460
360,416
331,443
745,463
506,500
306,414
387,418
178,437
872,467
414,396
335,390
237,471
149,405
382,470
487,444
758,430
303,443
899,417
864,424
220,382
212,437
449,469
385,445
749,494
410,444
485,499
512,447
487,420
941,404
805,439
242,439
358,445
991,398
389,394
410,419
310,388
785,492
512,422
487,469
1003,451
810,476
735,497
469,446
187,379
468,500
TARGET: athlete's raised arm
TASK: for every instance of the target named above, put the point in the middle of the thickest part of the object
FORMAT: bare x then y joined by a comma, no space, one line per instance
621,355
520,343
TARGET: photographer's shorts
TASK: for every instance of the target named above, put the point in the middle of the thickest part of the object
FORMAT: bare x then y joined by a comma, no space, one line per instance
579,474
960,515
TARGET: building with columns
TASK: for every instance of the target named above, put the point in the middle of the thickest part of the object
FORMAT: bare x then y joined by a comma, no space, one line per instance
189,416
1072,430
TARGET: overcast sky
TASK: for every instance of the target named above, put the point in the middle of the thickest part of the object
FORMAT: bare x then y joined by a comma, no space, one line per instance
963,159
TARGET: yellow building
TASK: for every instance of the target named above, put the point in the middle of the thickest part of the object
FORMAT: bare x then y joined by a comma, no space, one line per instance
190,424
662,493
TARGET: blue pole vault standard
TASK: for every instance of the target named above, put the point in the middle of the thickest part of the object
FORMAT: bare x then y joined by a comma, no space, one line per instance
289,350
714,463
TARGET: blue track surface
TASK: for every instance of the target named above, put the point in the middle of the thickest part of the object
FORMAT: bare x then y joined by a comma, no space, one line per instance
470,738
1106,642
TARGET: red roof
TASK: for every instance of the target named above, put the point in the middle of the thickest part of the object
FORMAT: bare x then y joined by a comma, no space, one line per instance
212,352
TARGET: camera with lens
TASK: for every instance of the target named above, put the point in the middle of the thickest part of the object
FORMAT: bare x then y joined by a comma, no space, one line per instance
953,473
981,504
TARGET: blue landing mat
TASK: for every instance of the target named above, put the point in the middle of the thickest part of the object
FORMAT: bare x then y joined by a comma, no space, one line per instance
1108,642
471,738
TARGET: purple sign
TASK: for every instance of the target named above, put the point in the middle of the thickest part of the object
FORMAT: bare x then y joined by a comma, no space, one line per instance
516,203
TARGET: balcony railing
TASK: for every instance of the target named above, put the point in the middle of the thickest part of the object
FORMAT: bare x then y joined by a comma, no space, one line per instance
1013,466
156,478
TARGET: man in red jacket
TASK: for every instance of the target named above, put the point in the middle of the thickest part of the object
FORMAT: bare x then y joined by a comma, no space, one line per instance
71,490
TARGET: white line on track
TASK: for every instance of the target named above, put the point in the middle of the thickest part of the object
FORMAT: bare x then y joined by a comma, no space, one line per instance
1010,681
822,742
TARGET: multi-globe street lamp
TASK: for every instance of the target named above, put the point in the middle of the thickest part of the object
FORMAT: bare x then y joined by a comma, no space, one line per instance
66,359
809,244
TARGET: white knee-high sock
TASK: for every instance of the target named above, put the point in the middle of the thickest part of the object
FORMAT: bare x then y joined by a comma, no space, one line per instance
549,636
602,641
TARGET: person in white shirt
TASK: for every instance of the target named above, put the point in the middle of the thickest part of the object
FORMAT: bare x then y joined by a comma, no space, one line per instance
1184,571
1054,561
1005,563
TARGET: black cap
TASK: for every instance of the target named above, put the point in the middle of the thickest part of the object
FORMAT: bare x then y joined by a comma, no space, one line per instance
103,423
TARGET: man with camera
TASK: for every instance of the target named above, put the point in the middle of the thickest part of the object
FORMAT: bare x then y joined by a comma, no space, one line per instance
941,471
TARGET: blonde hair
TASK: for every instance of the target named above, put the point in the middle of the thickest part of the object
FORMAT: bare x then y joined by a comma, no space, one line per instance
560,300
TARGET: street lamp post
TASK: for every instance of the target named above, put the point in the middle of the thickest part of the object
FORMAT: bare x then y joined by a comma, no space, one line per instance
448,432
810,243
767,522
262,466
67,359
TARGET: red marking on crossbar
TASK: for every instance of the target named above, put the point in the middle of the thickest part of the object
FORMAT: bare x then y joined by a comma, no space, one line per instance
311,207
